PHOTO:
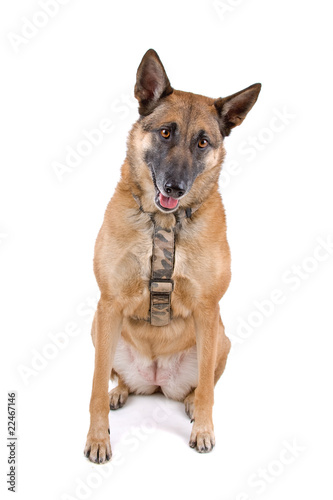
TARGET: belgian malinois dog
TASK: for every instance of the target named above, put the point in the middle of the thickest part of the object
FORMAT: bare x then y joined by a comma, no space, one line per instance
162,259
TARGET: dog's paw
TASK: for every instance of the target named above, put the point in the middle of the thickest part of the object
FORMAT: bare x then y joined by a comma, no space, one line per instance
98,449
189,405
202,439
118,397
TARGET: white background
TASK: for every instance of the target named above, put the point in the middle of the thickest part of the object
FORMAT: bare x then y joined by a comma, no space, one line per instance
70,75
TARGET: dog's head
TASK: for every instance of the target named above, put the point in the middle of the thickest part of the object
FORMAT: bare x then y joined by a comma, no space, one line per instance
177,144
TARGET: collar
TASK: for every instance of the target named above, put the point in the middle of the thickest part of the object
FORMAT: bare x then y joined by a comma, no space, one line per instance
162,264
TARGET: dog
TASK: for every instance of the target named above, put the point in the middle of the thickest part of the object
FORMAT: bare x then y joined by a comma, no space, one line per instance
162,260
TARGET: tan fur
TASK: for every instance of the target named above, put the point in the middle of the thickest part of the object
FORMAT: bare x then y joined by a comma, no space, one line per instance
201,274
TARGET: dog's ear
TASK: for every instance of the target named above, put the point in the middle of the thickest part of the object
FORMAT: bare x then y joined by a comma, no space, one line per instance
152,82
233,109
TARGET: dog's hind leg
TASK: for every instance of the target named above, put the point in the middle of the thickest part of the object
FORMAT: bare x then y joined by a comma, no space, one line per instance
118,396
189,405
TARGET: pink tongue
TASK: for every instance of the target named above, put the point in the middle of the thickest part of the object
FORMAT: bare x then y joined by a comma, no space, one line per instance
167,202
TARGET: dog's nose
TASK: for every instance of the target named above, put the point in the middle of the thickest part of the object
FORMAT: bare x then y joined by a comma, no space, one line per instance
175,190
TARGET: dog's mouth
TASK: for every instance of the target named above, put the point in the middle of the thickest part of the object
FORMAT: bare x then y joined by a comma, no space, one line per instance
166,203
163,203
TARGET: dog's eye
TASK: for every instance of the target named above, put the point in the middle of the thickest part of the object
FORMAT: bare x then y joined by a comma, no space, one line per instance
165,133
203,143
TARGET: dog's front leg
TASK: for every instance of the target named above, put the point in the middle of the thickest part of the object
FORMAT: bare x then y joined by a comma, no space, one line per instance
108,323
206,325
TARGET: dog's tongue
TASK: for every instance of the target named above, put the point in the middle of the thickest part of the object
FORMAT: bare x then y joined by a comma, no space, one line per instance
167,202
